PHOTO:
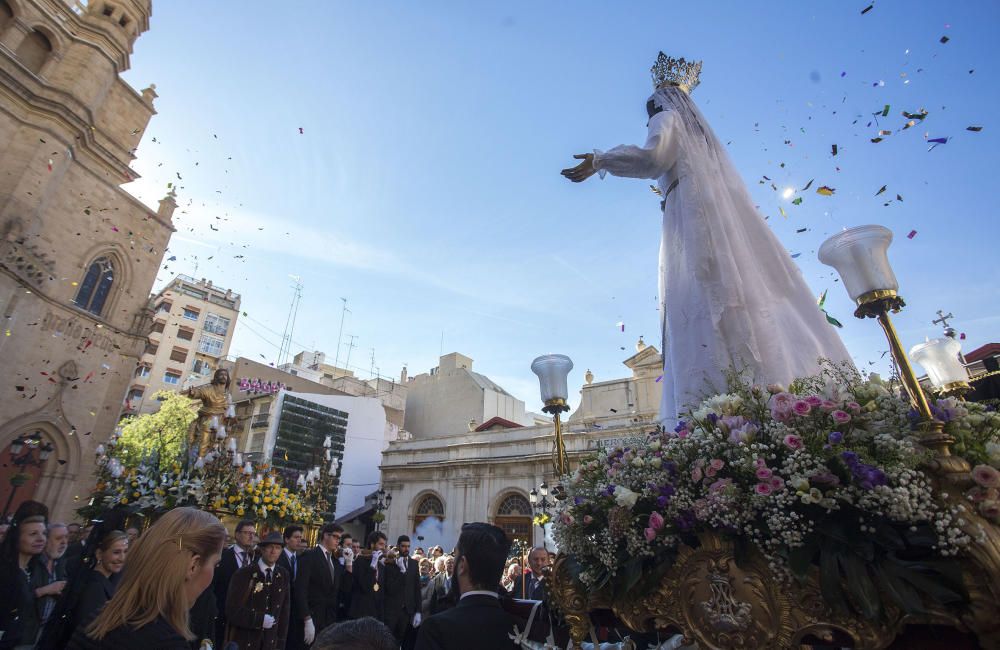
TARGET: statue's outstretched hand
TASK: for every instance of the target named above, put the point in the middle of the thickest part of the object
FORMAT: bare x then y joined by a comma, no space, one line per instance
583,171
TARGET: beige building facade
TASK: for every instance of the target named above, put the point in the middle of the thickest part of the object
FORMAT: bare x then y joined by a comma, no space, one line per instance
78,254
439,482
452,399
192,329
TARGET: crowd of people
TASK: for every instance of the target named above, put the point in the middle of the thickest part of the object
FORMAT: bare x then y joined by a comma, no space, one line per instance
185,584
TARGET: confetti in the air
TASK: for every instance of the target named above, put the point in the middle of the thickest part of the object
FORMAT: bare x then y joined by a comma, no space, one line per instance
913,233
826,191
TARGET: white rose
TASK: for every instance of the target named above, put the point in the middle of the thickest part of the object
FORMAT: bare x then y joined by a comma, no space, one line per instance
655,462
625,497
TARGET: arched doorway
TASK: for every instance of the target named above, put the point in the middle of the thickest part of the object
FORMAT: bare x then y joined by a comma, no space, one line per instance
514,518
23,463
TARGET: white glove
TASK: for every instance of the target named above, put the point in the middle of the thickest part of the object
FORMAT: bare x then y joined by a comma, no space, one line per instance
268,621
347,555
310,632
375,558
416,620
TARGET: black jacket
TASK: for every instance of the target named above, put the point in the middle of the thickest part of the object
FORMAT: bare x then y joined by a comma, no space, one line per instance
295,631
315,591
533,589
402,593
476,621
224,571
366,600
18,609
97,591
157,635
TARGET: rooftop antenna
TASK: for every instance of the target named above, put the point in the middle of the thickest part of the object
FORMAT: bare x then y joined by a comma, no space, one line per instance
343,312
350,346
286,339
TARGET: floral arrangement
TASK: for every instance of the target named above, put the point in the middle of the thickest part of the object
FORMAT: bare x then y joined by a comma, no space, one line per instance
976,429
824,474
217,482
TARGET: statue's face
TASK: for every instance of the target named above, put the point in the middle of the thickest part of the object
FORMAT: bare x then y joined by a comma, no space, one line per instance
221,377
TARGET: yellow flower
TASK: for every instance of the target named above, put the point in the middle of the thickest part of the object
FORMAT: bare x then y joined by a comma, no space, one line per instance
240,511
124,501
267,499
233,499
135,494
256,499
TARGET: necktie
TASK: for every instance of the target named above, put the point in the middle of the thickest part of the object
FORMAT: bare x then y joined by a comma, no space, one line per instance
295,566
329,563
267,576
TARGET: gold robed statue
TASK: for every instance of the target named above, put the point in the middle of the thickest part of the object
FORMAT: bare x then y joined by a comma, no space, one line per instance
214,414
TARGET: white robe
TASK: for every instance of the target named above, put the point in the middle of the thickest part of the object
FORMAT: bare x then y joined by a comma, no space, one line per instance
730,294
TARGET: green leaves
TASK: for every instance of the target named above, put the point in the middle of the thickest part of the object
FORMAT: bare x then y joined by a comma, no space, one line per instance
858,569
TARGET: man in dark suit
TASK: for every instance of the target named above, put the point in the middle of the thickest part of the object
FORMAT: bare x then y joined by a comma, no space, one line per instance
402,592
532,585
289,561
481,552
320,581
368,592
258,602
233,558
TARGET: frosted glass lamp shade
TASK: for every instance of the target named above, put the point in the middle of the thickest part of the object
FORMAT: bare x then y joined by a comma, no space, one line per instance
552,371
939,357
860,257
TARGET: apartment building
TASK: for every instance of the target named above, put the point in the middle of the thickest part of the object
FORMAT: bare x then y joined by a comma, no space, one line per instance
193,323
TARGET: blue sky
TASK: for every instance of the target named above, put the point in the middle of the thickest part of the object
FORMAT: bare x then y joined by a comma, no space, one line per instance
424,185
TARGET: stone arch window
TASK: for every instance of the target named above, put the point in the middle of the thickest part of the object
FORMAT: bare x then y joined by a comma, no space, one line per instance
34,51
514,517
514,505
428,506
96,285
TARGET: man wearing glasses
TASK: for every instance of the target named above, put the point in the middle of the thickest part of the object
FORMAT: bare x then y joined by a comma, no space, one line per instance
320,582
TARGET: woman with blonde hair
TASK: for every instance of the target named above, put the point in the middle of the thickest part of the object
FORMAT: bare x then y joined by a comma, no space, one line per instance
169,567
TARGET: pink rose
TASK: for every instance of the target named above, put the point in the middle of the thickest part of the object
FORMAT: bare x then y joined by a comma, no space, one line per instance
828,406
587,519
683,433
696,474
567,518
990,510
777,483
801,407
711,471
760,462
986,476
763,473
792,441
781,405
656,521
763,489
814,400
840,417
650,534
717,464
854,407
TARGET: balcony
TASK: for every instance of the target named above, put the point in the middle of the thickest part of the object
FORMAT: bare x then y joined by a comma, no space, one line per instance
260,421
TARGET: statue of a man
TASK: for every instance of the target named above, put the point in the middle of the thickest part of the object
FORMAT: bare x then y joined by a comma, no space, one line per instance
730,294
215,411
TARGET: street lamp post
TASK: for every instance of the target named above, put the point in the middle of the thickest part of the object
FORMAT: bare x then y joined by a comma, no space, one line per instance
28,445
383,500
540,506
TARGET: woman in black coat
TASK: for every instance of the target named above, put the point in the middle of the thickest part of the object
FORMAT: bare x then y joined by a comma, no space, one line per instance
101,582
19,560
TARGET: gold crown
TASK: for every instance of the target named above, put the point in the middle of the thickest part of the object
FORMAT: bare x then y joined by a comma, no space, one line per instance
668,71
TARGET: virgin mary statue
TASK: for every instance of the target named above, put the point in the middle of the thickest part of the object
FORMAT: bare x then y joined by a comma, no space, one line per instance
730,294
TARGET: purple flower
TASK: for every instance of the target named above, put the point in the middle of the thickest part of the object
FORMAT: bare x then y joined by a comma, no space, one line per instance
661,501
814,400
610,490
713,418
763,473
849,457
685,520
835,437
763,489
680,426
841,417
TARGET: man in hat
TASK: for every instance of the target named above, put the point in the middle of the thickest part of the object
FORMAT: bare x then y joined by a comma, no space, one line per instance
258,606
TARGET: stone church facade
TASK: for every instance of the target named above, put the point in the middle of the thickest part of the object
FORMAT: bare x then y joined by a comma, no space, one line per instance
78,254
440,482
